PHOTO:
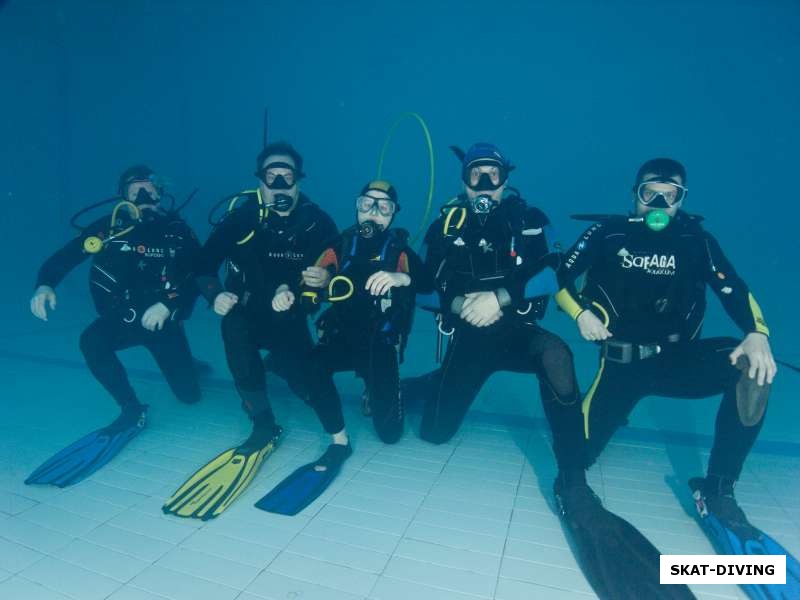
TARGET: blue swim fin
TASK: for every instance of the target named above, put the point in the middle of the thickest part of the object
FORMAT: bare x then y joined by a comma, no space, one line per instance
305,484
745,539
84,457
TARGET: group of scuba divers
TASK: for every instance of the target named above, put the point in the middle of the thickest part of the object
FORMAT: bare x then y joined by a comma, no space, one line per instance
634,284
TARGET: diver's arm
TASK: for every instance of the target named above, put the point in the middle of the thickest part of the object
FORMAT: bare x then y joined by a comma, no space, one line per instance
61,262
536,261
433,251
421,279
314,288
219,246
69,256
732,291
575,262
327,230
183,290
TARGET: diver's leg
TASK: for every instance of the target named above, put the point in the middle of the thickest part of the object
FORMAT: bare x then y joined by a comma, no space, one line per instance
171,351
705,370
467,365
99,344
289,343
541,352
323,361
614,392
381,375
239,331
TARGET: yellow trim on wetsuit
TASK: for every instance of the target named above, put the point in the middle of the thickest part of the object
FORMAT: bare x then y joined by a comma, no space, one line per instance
587,400
758,316
568,304
449,217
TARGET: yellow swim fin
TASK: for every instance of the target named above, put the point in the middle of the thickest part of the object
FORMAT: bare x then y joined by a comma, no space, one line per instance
214,487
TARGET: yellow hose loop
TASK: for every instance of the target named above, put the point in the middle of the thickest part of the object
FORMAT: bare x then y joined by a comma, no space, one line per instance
604,312
135,212
431,166
341,297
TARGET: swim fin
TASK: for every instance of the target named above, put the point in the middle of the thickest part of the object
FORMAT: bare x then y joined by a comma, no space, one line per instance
215,486
305,484
738,536
87,455
618,561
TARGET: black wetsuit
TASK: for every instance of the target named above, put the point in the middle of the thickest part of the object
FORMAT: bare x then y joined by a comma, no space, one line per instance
365,333
151,263
507,250
652,288
262,254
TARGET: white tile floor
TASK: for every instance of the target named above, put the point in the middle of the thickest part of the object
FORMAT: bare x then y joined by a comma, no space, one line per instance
467,520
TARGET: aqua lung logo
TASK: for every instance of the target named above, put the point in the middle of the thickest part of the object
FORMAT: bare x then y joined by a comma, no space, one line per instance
653,264
288,254
581,245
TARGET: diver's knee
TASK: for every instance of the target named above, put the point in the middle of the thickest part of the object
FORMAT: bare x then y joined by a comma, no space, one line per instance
190,397
435,435
390,435
751,398
89,342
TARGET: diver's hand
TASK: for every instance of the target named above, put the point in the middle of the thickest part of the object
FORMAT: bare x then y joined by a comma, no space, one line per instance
381,282
316,277
592,328
762,364
44,295
481,309
224,302
155,317
283,299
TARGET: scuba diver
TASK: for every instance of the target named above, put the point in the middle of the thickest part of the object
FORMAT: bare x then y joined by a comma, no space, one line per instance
267,238
370,276
643,301
493,269
142,287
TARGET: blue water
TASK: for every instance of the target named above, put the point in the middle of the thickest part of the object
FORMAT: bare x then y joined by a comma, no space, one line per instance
578,94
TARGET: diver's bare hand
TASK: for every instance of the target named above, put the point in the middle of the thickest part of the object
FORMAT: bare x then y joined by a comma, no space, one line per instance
155,317
481,309
316,277
592,328
283,299
757,350
43,296
381,282
224,302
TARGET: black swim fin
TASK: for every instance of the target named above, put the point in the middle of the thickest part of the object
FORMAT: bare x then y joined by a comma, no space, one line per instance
738,536
618,561
305,484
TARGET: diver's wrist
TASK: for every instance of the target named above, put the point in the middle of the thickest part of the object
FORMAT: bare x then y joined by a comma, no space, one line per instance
503,297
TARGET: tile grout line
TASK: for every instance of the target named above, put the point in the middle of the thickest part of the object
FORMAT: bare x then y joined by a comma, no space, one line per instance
416,512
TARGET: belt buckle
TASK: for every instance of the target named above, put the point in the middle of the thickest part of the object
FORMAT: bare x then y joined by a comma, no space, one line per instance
618,352
649,350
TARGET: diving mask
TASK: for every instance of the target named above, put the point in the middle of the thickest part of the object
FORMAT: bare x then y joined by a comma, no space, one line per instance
384,206
660,193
